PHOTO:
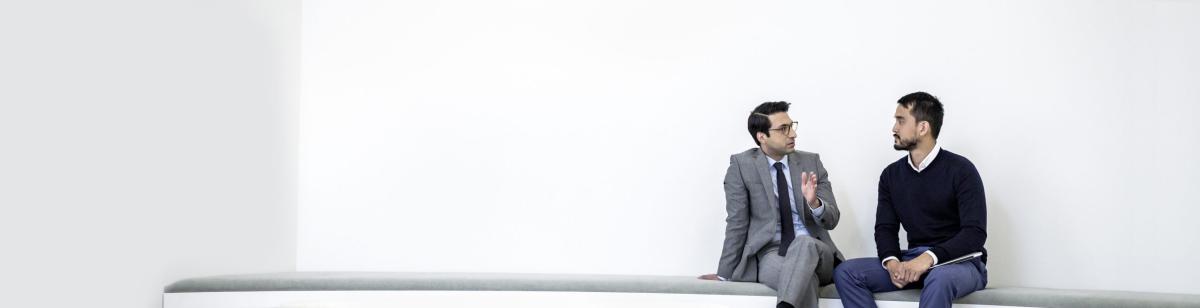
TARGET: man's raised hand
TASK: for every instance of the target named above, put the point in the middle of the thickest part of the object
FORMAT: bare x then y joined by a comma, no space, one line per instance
808,185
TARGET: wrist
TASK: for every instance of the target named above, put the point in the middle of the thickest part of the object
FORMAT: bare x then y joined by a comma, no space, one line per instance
926,260
932,258
885,261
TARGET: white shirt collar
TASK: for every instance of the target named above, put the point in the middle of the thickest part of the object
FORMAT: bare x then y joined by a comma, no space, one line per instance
772,161
924,162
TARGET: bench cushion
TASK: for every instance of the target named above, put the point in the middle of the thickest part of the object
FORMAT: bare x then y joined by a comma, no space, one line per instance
387,281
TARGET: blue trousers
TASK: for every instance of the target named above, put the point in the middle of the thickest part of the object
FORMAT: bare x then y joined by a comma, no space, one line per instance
858,279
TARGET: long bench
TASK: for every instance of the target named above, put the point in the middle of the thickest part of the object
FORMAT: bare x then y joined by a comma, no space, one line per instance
312,282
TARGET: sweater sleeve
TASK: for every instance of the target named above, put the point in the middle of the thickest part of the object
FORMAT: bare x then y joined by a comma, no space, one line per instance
887,223
972,216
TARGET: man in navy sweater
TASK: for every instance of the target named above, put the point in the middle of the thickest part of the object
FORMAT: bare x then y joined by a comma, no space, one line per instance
937,196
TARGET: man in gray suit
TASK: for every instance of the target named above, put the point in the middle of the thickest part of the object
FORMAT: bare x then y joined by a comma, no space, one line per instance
793,255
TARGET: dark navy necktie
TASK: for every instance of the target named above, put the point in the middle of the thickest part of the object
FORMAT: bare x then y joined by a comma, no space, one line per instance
787,230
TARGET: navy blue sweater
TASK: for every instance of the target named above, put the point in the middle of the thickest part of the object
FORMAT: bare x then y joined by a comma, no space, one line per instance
942,207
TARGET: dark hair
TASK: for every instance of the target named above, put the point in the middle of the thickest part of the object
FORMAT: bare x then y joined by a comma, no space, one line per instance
758,121
925,107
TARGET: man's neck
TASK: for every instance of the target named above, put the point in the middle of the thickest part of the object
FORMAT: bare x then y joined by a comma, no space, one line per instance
918,154
775,156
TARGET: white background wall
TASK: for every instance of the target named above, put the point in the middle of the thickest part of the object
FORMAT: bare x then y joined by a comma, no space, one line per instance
592,136
142,142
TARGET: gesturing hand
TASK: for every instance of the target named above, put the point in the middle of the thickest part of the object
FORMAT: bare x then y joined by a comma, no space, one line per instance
808,185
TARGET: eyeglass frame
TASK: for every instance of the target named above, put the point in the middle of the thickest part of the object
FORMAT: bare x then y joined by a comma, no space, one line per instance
786,127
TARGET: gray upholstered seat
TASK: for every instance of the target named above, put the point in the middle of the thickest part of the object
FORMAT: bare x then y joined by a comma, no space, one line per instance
374,281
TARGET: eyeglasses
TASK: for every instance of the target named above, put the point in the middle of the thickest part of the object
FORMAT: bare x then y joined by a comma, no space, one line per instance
786,128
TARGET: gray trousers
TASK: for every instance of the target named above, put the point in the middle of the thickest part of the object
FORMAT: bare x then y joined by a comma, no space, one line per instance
797,277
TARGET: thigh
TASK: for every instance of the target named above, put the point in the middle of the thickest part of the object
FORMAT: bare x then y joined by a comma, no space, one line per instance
815,255
769,266
966,276
870,272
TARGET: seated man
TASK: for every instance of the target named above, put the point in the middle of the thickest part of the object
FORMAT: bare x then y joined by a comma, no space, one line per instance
938,197
779,203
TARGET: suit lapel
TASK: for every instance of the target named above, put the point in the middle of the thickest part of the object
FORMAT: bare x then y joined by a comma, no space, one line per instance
762,164
795,169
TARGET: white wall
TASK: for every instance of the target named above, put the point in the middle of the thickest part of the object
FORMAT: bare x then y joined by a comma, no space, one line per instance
592,136
143,142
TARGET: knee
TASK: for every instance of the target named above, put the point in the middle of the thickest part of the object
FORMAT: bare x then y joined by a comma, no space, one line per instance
847,273
841,275
803,244
940,280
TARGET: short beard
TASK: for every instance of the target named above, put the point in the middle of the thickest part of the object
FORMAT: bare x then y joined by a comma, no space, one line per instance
782,152
904,145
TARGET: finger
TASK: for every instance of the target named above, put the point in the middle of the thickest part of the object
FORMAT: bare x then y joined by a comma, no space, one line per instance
913,276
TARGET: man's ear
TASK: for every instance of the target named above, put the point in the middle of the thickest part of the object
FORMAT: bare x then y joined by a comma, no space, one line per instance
922,128
761,137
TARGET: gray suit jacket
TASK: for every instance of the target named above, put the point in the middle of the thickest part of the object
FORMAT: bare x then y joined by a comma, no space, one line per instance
753,211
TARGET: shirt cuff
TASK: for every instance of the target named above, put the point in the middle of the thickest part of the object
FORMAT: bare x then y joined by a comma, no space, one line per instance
884,262
931,254
722,278
820,210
